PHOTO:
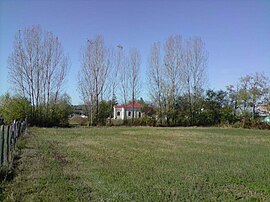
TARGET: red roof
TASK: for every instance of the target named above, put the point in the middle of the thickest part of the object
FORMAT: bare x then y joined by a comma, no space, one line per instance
136,105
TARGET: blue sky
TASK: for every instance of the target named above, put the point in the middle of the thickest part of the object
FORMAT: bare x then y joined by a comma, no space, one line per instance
236,33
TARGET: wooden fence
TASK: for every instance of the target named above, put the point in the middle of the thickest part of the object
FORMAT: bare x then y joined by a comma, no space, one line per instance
9,135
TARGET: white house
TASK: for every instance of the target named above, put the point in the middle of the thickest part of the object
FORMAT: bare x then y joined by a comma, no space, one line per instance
125,111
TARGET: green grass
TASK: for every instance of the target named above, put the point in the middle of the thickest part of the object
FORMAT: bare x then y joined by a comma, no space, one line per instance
142,164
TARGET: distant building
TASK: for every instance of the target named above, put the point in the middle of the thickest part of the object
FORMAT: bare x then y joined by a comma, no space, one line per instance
125,111
79,111
262,110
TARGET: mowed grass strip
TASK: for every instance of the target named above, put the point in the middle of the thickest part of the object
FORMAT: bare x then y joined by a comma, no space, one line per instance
142,164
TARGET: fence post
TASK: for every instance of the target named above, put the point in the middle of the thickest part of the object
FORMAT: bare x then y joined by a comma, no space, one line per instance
2,144
7,143
12,139
14,133
19,129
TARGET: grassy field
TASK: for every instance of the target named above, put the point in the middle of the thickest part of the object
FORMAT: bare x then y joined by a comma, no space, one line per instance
142,164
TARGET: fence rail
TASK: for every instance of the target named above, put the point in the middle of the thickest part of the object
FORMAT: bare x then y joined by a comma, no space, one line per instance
8,137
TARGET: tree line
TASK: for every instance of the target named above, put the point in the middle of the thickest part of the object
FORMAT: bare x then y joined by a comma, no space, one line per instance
234,106
105,74
37,68
176,83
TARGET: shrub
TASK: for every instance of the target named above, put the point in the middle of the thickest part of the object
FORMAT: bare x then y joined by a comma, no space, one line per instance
146,121
117,122
77,121
237,124
259,124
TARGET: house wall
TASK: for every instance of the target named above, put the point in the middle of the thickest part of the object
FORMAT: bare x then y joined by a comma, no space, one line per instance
118,114
137,113
121,113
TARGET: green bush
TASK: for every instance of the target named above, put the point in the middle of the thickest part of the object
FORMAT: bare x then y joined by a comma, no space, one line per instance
258,124
149,121
237,124
55,113
14,108
117,122
146,121
78,121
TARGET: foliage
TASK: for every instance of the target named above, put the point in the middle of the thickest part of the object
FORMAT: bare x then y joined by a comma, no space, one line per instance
227,116
59,113
104,112
219,108
19,108
146,109
117,122
145,121
77,121
14,108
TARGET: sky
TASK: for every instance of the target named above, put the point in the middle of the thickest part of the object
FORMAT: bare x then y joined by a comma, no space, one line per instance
236,32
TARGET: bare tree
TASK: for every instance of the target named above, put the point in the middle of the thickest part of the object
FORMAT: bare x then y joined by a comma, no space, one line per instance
134,64
114,71
182,72
155,77
37,67
196,58
117,59
173,61
94,73
124,81
86,89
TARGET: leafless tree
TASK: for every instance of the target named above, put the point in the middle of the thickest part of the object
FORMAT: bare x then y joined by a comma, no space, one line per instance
37,66
94,74
86,89
117,58
182,72
134,64
124,81
195,64
173,61
156,77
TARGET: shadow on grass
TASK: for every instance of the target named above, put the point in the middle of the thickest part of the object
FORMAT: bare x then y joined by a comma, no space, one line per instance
9,170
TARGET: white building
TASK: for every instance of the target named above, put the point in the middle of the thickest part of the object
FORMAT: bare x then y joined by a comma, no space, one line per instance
125,111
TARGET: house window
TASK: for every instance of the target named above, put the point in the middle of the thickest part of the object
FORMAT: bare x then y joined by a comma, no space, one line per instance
139,114
129,113
118,113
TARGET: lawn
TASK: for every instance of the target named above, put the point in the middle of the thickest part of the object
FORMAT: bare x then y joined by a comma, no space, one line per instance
141,164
